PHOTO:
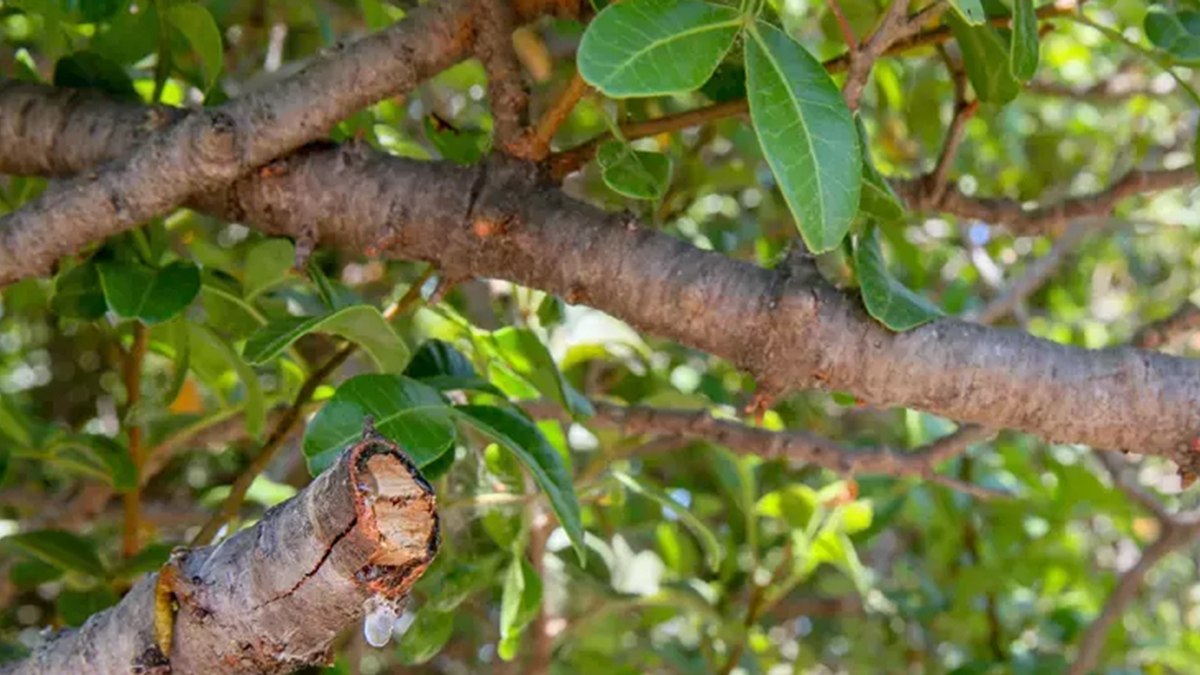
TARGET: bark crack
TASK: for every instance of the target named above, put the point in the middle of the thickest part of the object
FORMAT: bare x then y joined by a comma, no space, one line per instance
316,568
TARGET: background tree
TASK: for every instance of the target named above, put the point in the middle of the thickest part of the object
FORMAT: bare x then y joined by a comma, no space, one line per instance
732,337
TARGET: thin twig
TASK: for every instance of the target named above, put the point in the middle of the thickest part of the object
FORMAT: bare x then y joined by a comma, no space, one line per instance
1181,323
843,25
1034,278
862,60
290,419
963,111
535,145
130,540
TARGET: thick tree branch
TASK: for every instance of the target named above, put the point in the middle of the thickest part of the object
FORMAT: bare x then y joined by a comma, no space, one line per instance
499,220
272,598
209,148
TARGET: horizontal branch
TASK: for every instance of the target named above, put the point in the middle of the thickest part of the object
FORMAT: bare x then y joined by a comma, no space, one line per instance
209,148
794,445
501,220
1050,218
272,598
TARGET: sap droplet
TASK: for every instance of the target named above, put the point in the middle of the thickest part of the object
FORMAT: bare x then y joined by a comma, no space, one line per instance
380,621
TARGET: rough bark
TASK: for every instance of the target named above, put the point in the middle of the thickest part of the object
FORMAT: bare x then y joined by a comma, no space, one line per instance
271,598
209,148
500,220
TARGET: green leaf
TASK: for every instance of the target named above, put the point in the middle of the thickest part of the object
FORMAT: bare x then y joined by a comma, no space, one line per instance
441,366
807,134
99,10
134,291
519,603
793,504
410,413
77,293
97,456
1024,40
224,307
89,70
14,425
889,301
66,551
525,354
636,174
878,200
198,26
425,637
656,47
461,146
708,541
1176,33
76,606
267,264
146,560
361,324
520,436
971,11
986,58
855,516
206,345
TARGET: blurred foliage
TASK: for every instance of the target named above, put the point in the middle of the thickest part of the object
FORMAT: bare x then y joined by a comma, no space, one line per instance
688,557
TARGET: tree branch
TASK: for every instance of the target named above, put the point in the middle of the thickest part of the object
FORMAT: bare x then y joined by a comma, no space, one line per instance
507,93
1183,322
863,58
209,148
272,598
1034,277
788,332
1049,218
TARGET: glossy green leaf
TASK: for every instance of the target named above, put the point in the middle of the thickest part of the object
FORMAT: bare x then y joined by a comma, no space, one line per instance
971,11
77,293
267,263
807,134
519,604
225,308
410,413
708,541
76,606
425,637
134,291
90,70
520,436
1177,33
438,364
66,551
99,10
361,324
206,346
194,21
636,174
794,504
855,517
987,60
1024,40
524,352
878,200
97,456
655,47
886,299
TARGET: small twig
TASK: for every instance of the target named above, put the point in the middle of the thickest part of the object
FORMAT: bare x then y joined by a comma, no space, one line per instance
1171,538
863,59
290,419
963,111
507,94
535,144
130,540
1034,278
1131,488
843,25
1182,322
